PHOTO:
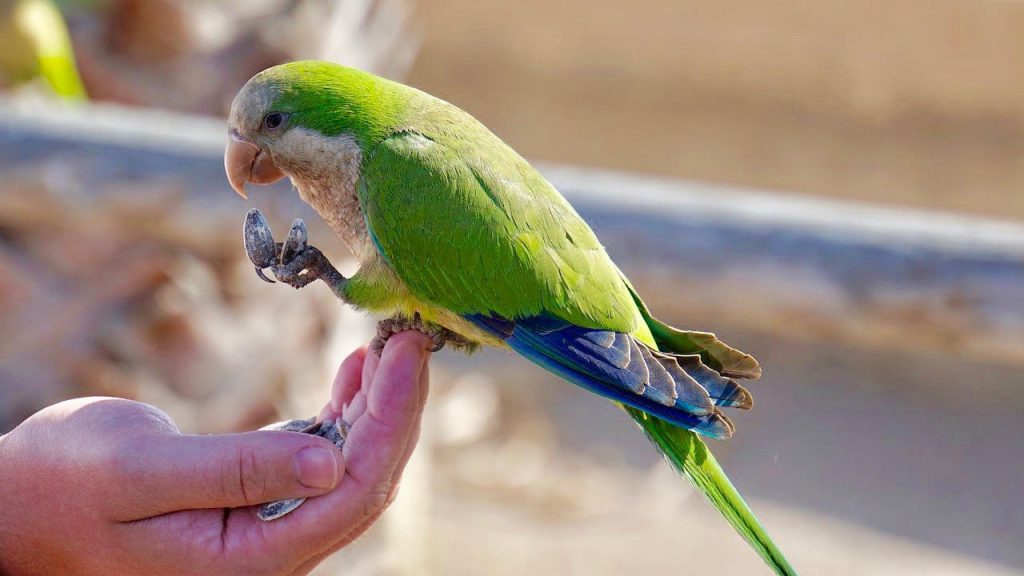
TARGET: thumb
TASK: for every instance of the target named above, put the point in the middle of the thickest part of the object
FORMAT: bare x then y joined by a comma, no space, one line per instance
183,472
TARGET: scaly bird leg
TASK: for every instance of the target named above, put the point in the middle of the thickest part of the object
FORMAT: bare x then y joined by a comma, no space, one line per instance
335,431
293,261
438,334
296,263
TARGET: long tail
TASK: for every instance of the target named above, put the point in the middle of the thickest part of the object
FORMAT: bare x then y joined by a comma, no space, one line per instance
672,392
686,452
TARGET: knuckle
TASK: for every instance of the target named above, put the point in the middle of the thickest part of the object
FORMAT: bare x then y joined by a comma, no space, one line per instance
243,476
379,497
121,466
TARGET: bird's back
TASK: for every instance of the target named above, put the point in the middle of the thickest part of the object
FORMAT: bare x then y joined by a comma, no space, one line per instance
486,215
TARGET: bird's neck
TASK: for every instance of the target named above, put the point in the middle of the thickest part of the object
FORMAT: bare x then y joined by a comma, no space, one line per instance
326,178
337,203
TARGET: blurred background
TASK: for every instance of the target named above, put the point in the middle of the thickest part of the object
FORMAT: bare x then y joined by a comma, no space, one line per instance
834,187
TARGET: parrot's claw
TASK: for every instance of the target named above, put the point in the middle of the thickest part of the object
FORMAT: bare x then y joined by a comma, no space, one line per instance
259,272
303,268
293,261
437,334
336,431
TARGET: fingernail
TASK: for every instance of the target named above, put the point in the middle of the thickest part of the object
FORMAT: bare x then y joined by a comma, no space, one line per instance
317,467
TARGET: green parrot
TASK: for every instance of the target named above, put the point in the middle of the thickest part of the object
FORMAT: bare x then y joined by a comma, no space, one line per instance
36,43
458,236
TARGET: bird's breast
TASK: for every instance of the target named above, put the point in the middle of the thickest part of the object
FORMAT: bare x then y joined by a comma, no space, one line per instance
325,172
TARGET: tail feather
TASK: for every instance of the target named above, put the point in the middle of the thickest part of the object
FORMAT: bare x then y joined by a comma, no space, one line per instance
617,366
724,391
713,424
671,393
686,453
683,390
718,355
713,364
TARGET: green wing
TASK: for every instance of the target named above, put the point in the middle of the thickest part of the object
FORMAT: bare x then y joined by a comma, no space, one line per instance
452,214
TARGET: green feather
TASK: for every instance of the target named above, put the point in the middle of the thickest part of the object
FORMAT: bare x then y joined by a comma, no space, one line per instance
687,454
499,238
723,358
332,99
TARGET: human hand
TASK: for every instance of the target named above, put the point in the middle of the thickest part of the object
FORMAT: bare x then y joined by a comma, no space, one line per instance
110,486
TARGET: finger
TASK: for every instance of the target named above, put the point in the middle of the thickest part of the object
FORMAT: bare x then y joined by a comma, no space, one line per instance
376,444
357,405
393,408
346,384
355,408
424,386
396,476
344,539
180,472
414,438
370,366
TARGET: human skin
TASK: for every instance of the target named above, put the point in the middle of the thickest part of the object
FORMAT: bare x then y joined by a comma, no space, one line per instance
111,486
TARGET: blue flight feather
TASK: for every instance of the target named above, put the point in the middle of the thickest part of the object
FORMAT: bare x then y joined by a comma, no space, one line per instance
575,353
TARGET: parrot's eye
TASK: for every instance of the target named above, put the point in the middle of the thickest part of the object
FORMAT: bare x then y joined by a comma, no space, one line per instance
273,120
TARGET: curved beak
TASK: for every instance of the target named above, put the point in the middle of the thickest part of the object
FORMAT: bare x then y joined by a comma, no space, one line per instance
246,162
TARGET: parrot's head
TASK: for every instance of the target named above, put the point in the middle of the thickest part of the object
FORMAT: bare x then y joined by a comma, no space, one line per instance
284,118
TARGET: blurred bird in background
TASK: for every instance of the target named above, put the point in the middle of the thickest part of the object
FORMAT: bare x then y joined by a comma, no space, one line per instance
36,46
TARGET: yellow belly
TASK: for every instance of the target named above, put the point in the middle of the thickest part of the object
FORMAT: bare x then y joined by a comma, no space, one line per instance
436,315
393,297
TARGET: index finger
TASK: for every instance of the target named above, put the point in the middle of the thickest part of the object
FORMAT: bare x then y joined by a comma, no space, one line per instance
346,384
394,399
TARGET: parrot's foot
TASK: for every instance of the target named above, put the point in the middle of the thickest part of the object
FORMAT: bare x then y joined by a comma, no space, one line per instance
438,334
335,431
293,261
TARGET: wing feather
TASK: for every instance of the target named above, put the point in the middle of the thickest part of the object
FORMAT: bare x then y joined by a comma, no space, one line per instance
468,225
